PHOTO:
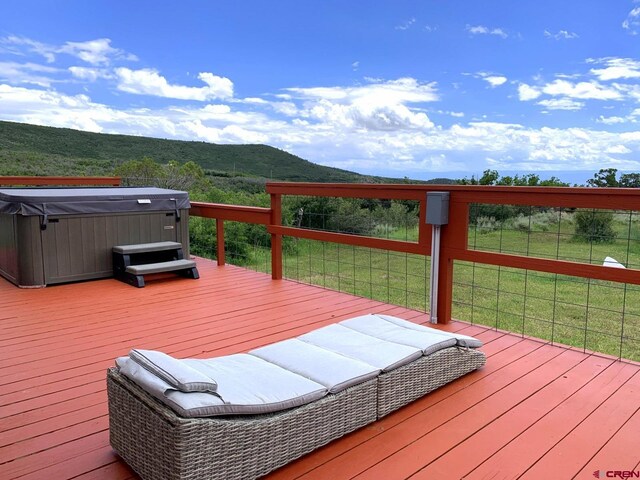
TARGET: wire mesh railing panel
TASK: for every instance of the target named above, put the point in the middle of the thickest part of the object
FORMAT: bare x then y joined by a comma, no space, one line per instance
585,313
589,314
391,219
578,235
390,277
246,245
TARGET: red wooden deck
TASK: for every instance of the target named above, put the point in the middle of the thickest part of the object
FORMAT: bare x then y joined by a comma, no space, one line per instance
535,410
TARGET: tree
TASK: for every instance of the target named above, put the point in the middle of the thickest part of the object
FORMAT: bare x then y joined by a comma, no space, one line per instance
606,177
147,172
489,177
492,177
630,180
594,226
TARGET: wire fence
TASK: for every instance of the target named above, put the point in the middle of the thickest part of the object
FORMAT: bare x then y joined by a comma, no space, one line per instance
585,313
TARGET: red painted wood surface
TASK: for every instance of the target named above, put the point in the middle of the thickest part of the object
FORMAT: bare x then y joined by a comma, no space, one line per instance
356,240
532,406
220,241
276,238
236,213
55,181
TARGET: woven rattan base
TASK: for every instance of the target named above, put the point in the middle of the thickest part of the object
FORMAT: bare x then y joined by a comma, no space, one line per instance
410,382
158,444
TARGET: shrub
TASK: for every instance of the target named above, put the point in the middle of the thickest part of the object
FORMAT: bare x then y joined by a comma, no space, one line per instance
487,224
542,221
594,226
522,223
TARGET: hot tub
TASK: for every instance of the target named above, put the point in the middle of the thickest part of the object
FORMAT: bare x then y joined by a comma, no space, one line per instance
56,235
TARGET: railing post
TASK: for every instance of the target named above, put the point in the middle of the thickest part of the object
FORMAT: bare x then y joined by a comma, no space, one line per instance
276,240
454,235
220,240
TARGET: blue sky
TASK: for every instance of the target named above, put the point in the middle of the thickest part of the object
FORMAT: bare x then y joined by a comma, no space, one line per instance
421,89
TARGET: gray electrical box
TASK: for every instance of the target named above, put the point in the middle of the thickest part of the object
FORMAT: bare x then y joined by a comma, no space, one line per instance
438,208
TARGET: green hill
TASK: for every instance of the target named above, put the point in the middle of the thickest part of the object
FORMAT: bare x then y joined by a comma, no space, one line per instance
34,150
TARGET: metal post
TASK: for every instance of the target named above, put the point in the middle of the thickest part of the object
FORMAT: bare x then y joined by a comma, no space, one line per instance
433,280
437,215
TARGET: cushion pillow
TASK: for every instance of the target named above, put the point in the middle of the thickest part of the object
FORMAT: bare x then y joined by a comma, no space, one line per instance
176,373
461,340
246,385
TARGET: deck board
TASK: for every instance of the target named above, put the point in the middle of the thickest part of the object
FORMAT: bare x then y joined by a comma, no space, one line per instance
535,410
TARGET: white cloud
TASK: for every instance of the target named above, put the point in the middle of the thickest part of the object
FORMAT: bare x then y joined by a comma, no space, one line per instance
527,92
492,79
581,90
495,80
379,125
611,120
380,105
150,82
615,68
355,66
27,73
569,93
94,52
482,30
632,22
561,35
453,114
406,25
561,104
402,90
17,45
615,119
89,74
47,107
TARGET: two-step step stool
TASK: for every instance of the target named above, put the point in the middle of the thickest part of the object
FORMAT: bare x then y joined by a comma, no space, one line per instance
132,262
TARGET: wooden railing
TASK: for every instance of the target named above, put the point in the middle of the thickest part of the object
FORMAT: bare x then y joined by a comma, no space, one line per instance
454,239
62,181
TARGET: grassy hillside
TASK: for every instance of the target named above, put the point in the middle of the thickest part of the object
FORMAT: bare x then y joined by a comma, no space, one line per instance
34,150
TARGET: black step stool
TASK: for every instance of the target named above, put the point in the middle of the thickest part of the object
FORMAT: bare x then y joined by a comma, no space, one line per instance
132,262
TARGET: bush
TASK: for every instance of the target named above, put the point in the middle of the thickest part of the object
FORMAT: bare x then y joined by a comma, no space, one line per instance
487,224
594,226
536,222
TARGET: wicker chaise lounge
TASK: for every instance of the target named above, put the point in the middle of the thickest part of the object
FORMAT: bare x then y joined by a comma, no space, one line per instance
242,416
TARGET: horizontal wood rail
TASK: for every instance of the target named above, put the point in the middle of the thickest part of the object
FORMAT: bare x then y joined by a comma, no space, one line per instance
61,181
348,239
236,213
454,240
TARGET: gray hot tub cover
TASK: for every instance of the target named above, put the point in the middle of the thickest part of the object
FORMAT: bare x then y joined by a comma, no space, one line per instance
72,201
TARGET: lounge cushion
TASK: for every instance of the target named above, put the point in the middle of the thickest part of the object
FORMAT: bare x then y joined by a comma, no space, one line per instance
246,385
394,329
336,372
177,373
462,340
381,354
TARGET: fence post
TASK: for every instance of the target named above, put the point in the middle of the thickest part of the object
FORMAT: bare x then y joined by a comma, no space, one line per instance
453,236
276,240
220,240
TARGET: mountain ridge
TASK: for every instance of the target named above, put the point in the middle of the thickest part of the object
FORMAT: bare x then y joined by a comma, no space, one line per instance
27,149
